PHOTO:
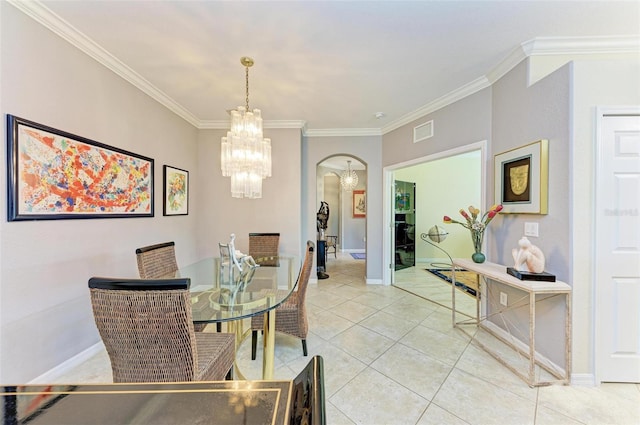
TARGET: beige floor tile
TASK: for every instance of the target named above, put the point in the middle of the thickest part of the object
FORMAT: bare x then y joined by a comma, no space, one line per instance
404,375
327,325
335,416
437,345
353,311
592,405
436,415
479,402
412,369
348,292
480,364
545,416
408,309
373,399
339,367
362,343
373,299
388,325
325,299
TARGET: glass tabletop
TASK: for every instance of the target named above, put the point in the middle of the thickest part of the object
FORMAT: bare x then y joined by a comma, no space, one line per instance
218,295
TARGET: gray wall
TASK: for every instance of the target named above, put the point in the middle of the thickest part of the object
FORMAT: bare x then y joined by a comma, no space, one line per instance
522,115
277,211
459,124
367,149
45,314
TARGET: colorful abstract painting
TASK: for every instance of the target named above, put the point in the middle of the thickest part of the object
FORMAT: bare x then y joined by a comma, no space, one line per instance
176,191
53,174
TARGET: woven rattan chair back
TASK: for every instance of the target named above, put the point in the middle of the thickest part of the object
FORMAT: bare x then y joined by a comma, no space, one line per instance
147,328
157,261
264,248
291,316
303,282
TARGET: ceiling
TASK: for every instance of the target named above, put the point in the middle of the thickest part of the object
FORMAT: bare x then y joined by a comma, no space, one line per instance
325,66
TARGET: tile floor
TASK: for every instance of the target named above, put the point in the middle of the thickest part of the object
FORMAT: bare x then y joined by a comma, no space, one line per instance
391,357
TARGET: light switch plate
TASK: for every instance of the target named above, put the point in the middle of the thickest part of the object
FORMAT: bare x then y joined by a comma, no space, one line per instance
531,229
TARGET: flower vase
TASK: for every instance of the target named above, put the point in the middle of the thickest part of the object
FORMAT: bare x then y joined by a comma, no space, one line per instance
477,256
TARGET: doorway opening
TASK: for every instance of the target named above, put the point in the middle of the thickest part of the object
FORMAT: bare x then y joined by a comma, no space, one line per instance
444,183
347,223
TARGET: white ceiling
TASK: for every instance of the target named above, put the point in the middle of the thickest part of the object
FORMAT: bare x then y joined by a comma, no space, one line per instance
329,64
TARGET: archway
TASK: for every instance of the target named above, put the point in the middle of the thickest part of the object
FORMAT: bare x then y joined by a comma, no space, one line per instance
349,229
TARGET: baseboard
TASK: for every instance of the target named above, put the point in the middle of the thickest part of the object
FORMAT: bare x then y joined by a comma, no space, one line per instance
583,380
65,367
374,281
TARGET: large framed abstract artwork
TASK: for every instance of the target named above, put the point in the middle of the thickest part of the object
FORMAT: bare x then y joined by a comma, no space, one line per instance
52,174
522,179
176,191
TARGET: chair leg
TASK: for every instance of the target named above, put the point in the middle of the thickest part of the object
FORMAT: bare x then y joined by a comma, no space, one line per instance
304,347
254,343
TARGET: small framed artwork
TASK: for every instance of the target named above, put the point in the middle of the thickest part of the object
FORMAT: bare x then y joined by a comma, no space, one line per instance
359,204
52,174
176,191
522,179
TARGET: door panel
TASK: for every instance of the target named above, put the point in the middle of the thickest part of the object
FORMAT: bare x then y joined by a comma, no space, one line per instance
618,249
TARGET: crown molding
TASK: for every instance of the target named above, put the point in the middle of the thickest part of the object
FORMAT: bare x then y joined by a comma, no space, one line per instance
349,132
582,45
279,124
451,97
40,13
537,46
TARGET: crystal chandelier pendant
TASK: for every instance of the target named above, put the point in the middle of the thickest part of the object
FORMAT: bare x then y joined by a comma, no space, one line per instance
348,178
245,154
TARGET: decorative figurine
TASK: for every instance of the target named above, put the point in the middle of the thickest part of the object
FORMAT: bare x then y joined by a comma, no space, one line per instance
322,220
528,258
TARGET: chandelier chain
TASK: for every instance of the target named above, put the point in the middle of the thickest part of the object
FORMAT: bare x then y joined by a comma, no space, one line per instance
247,85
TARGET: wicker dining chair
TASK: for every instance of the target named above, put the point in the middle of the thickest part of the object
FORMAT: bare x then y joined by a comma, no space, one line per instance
156,261
264,248
291,315
159,261
332,246
147,329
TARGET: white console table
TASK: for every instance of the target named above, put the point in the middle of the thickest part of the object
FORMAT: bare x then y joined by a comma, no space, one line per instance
491,272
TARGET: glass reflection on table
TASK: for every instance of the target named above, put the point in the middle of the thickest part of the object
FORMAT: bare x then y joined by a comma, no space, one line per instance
217,297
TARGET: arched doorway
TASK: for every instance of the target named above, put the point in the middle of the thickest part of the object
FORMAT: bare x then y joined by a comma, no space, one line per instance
348,227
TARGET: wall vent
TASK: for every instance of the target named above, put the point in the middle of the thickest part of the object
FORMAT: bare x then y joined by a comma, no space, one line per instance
423,132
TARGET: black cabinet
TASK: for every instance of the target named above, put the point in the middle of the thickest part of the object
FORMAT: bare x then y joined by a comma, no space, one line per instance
405,224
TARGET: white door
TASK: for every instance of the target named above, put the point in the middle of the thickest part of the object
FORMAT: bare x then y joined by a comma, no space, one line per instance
617,263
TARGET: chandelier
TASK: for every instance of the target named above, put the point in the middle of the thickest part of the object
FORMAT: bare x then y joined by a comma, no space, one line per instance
245,155
348,178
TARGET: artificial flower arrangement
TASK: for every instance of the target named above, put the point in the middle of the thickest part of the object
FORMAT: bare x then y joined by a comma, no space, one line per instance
476,224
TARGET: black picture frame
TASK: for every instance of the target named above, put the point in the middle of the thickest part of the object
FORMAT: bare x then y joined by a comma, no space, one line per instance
53,175
176,191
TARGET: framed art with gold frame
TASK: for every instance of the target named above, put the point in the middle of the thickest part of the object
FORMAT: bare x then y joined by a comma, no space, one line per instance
522,179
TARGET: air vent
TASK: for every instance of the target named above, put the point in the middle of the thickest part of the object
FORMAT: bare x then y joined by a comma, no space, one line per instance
423,132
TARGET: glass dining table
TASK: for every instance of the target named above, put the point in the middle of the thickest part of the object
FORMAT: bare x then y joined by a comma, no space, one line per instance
218,296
